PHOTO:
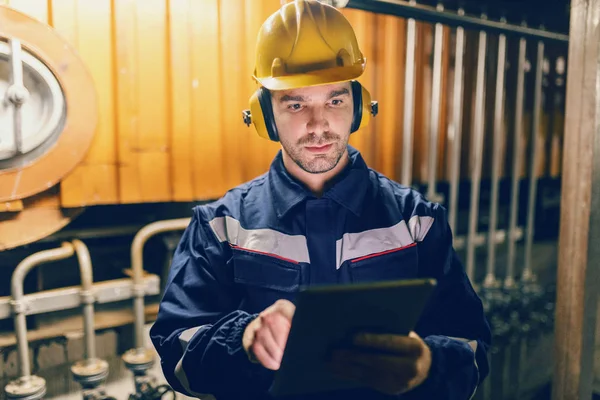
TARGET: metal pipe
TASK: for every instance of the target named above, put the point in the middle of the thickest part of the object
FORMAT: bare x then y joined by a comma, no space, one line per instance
476,150
537,105
514,198
18,303
409,91
456,125
137,264
509,281
425,13
87,297
68,298
435,108
490,279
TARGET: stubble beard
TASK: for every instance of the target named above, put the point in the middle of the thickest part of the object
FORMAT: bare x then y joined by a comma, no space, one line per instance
316,163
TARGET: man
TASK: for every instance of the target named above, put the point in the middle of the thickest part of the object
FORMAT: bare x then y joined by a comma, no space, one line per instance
319,216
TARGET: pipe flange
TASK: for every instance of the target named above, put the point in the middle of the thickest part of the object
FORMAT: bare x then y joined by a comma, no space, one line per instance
139,290
26,388
138,360
90,373
87,297
18,306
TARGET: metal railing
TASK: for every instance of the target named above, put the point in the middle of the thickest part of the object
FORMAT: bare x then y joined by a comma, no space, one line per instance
485,27
519,308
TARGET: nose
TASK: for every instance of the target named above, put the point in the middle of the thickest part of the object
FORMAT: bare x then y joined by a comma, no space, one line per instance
317,122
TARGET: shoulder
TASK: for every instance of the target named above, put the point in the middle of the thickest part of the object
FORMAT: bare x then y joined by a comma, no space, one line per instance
409,201
235,199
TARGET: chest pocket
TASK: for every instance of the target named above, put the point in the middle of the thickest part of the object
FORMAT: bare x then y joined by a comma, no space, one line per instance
395,264
264,279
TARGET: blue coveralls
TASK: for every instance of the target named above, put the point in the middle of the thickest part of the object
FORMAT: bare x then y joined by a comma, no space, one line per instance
265,239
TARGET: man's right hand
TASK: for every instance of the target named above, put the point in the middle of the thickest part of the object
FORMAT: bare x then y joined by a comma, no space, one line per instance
265,337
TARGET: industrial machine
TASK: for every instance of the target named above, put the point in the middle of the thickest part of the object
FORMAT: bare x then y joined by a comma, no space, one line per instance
119,115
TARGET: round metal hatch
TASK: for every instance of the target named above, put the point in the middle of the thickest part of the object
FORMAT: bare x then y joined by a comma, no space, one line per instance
43,110
48,106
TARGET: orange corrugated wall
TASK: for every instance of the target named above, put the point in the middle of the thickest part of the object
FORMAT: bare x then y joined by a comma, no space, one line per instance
172,77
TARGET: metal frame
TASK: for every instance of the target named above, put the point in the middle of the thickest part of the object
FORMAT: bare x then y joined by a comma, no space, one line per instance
69,297
430,14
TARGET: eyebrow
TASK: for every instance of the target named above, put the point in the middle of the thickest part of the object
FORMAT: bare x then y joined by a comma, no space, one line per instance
332,94
336,93
287,97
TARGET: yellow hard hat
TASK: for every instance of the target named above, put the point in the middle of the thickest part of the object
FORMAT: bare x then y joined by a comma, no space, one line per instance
306,43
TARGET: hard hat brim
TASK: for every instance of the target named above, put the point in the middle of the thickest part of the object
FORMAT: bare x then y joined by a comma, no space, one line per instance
315,78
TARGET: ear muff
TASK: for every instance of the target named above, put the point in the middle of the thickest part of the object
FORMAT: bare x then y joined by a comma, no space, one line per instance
261,111
364,108
357,96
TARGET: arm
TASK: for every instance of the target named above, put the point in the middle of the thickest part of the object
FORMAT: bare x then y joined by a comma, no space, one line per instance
198,331
453,325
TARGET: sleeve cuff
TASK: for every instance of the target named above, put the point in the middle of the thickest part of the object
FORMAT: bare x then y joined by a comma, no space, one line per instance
452,374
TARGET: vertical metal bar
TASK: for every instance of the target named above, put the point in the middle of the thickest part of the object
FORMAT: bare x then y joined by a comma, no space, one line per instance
516,169
490,279
16,96
456,124
537,105
476,150
436,88
87,297
409,91
575,337
22,344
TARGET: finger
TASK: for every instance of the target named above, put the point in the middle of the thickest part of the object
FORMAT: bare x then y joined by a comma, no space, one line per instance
286,308
383,382
264,357
250,333
397,344
279,327
402,368
265,337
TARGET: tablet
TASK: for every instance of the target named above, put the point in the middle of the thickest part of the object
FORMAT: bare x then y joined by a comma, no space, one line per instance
326,316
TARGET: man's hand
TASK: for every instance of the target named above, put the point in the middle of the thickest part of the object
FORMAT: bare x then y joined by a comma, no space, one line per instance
265,337
391,364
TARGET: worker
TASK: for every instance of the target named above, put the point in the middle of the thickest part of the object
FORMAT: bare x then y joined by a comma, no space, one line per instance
319,216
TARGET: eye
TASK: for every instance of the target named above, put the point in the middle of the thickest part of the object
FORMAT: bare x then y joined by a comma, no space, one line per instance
336,102
295,107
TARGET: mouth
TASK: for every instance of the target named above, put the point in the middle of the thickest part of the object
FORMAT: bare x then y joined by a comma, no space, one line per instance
319,149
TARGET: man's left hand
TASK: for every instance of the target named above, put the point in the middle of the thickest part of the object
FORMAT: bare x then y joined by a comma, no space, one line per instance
391,364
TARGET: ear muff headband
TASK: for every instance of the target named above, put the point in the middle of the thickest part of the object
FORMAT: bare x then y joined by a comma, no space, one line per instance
261,111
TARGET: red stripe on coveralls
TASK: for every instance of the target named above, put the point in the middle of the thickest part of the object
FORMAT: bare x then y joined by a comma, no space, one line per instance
384,252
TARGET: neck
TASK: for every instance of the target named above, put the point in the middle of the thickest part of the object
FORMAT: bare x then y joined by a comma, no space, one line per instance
316,183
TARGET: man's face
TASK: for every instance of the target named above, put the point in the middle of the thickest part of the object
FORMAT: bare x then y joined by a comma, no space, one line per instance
314,124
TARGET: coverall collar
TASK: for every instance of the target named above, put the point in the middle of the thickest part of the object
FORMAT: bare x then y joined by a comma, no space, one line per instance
348,188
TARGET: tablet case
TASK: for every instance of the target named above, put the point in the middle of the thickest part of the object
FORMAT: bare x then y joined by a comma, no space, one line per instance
326,316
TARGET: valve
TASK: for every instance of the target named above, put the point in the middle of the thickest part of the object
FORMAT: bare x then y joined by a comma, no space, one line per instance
139,361
146,389
26,388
